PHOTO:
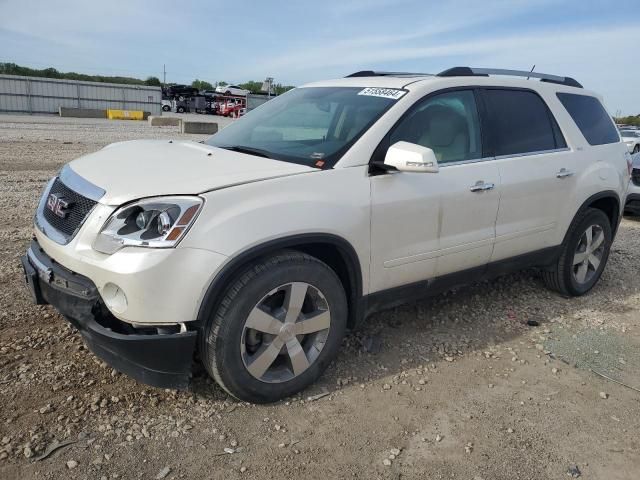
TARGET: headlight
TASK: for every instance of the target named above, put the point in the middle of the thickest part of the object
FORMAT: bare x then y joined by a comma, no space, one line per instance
153,222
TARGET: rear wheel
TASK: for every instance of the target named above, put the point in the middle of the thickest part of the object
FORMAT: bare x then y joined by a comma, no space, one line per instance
277,328
583,256
180,109
166,108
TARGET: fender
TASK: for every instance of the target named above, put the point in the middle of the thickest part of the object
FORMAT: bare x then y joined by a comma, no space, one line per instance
598,196
231,269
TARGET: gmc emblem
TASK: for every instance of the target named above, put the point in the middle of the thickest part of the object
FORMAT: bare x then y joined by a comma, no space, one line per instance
58,205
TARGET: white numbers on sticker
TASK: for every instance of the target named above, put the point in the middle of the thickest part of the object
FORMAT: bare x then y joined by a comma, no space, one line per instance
382,92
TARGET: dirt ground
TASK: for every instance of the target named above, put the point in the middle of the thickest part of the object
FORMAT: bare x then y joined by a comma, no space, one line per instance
453,387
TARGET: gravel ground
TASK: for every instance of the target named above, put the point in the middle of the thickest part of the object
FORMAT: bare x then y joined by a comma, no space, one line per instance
456,387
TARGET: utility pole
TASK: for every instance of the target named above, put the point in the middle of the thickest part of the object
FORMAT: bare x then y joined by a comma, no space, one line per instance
164,75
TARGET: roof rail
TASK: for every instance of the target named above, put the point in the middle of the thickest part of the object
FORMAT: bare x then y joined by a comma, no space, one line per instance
371,73
483,72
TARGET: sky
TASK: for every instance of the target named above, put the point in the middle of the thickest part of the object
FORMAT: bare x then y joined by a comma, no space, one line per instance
595,41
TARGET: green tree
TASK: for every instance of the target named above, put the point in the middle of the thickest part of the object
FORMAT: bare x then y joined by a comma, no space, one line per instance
153,81
252,86
201,85
221,84
629,120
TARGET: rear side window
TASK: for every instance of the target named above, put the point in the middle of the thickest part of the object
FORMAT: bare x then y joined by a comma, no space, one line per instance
520,122
590,117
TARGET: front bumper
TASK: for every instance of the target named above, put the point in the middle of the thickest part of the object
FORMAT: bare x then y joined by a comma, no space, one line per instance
158,359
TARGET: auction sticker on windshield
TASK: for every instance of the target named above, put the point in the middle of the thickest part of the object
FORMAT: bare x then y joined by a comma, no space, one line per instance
393,93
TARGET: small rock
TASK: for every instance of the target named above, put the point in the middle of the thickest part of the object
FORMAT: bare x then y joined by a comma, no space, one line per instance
468,448
604,395
439,438
28,452
386,386
386,462
243,469
282,445
395,451
163,473
554,370
573,471
449,359
71,464
509,430
228,450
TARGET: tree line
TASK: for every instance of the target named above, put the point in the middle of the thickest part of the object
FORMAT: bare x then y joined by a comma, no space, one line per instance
14,69
629,120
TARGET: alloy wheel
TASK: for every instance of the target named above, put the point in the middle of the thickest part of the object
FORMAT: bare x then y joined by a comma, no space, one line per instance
588,254
285,332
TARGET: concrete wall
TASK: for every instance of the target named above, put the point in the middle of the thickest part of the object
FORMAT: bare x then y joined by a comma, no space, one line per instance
208,128
46,95
164,121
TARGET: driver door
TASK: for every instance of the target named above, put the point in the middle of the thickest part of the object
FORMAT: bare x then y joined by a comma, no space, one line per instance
427,225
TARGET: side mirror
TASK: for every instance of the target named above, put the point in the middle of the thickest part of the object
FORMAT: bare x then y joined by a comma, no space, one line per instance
409,157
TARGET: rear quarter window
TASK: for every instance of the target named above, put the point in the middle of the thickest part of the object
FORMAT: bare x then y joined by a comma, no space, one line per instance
591,118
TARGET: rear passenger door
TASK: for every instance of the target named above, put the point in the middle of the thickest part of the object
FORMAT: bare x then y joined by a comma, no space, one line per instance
537,170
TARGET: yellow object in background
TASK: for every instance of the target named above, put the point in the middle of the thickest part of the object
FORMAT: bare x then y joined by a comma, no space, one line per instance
125,114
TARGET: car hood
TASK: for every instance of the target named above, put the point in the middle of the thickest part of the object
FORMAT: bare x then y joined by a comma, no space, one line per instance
146,168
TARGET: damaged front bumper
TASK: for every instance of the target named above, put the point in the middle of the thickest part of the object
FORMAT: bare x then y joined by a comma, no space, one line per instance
159,359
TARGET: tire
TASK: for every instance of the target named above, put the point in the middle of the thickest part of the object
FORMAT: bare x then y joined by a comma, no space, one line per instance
180,109
636,149
166,108
260,367
566,276
228,92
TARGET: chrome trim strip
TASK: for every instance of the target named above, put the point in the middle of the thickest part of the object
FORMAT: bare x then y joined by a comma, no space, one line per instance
528,154
80,185
502,157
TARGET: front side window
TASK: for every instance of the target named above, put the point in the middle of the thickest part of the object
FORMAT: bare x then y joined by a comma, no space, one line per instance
520,122
312,126
591,118
446,123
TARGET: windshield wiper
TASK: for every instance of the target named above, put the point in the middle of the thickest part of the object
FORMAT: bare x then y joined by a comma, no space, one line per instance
250,150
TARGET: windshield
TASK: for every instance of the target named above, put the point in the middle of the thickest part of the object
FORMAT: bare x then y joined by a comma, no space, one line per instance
312,126
630,133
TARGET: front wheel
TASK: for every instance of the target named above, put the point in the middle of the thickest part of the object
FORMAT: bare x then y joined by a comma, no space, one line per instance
584,255
277,328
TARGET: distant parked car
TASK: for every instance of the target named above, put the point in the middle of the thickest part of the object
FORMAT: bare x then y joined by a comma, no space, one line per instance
632,204
232,90
182,91
631,139
166,105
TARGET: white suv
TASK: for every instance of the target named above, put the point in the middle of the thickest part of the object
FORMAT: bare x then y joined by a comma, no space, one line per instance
255,251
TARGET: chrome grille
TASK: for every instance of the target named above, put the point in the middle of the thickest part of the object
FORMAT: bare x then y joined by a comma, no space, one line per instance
77,210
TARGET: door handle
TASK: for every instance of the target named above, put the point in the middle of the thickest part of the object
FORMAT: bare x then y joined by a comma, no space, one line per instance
481,186
564,173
